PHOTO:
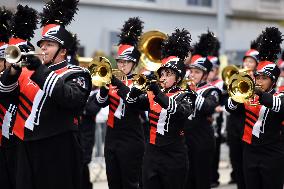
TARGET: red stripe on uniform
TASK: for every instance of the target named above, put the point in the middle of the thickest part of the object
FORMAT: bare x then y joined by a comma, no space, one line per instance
247,136
153,116
251,116
153,122
110,120
153,134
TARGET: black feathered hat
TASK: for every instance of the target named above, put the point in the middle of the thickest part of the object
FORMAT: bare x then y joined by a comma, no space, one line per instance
174,51
23,24
72,52
55,16
5,17
269,48
214,56
202,49
253,52
129,37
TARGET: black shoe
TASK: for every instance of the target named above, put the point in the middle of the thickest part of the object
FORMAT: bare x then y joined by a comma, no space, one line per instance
214,184
232,182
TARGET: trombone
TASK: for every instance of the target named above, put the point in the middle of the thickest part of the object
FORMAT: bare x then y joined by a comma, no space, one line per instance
102,72
14,55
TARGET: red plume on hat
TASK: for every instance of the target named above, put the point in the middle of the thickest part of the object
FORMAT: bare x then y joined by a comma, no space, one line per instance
55,16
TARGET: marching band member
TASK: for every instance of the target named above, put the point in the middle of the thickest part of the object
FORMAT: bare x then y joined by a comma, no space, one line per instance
165,161
280,82
217,117
199,132
8,107
51,96
235,122
124,142
263,151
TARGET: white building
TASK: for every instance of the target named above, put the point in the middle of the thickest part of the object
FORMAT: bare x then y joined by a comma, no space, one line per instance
99,21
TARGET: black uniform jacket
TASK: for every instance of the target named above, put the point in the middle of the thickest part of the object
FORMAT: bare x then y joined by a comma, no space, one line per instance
50,99
263,122
167,113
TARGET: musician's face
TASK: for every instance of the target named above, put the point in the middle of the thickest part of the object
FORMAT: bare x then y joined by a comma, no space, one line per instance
264,81
213,74
125,66
249,63
167,78
49,48
197,75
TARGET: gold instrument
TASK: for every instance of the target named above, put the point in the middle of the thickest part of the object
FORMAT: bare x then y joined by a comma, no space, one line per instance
150,48
230,70
101,72
84,61
241,87
140,81
14,55
187,83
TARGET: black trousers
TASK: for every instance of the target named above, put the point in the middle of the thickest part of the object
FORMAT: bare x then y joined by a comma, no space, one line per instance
264,166
216,159
236,146
201,145
165,168
8,165
87,134
54,162
124,164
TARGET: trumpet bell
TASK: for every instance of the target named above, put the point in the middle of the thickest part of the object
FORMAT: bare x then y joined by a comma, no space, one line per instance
100,70
241,87
140,81
13,54
227,73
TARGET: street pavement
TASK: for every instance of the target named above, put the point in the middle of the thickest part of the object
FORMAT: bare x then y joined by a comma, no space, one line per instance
98,177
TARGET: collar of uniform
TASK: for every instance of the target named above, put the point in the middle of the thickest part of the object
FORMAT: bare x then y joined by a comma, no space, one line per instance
272,91
172,89
58,66
201,84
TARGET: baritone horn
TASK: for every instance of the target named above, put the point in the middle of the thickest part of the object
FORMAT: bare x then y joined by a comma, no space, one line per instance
151,50
102,72
14,55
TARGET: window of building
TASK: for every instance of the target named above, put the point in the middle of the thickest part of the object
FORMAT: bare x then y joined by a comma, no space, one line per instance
203,3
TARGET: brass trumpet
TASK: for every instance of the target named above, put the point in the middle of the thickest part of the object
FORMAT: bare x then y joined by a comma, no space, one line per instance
241,89
14,55
102,72
140,81
230,70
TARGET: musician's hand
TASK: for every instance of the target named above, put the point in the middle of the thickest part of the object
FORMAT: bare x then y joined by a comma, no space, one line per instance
33,62
116,82
151,76
155,88
258,91
135,92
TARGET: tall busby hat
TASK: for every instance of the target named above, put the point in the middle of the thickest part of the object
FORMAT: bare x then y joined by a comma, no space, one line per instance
253,52
269,48
5,17
174,51
214,56
129,37
23,24
55,16
202,49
